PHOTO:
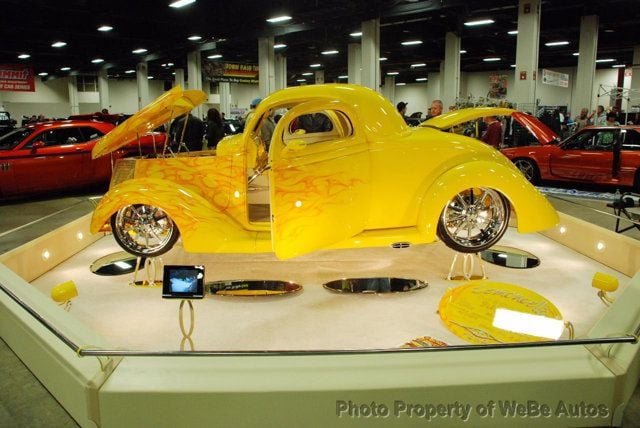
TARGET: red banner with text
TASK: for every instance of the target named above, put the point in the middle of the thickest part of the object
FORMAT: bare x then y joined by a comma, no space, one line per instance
17,77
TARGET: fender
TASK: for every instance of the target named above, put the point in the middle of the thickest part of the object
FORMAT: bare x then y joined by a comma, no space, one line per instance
203,227
533,210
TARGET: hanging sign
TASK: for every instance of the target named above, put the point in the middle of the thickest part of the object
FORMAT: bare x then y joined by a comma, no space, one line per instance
554,78
498,86
17,77
216,71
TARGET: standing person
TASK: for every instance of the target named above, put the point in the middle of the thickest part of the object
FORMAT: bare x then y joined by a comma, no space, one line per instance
601,117
582,120
215,129
189,130
402,109
252,109
493,135
435,110
612,119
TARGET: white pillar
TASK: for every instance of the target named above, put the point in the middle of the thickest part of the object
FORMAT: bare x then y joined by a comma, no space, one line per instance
225,98
103,89
142,79
586,72
319,77
527,50
450,82
280,72
266,64
194,74
72,85
371,54
354,59
179,77
389,89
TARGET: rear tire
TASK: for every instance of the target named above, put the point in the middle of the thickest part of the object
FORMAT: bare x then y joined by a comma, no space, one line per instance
529,169
144,230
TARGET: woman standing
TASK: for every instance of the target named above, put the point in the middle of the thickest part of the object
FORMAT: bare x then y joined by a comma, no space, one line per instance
215,128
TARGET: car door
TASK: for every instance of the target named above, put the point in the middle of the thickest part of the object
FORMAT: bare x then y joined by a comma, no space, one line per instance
319,179
56,164
9,155
587,156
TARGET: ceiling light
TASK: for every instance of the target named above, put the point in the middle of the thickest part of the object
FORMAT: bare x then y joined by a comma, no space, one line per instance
331,52
58,44
315,65
149,77
181,3
422,64
279,46
576,54
307,74
43,74
129,71
512,66
606,60
421,79
479,22
560,43
463,51
393,73
411,43
618,66
24,56
65,69
356,34
512,32
344,76
276,19
194,38
400,84
97,60
105,28
139,51
301,80
491,59
214,56
169,64
384,58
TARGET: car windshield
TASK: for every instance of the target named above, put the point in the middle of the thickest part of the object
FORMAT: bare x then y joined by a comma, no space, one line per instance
13,138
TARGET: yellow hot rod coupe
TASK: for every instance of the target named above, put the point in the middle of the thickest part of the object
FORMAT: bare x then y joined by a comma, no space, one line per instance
343,170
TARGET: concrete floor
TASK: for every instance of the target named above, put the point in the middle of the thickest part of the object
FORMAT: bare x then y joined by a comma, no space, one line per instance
24,402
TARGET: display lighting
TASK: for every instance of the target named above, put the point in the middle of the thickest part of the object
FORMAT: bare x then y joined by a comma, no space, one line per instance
600,246
493,59
181,3
307,74
279,46
384,58
576,54
421,79
618,66
411,42
169,64
150,77
606,60
65,68
512,32
97,60
79,236
194,38
393,73
129,71
463,51
46,254
139,51
277,19
422,64
330,52
344,76
563,230
43,74
356,34
58,44
479,22
558,43
301,80
214,56
400,84
315,65
523,323
24,56
105,28
512,66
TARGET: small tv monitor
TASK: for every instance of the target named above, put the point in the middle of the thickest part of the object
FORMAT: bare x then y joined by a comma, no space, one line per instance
183,282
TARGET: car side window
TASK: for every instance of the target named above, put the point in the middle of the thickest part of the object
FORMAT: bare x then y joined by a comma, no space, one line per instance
318,127
89,133
59,137
604,140
581,141
631,140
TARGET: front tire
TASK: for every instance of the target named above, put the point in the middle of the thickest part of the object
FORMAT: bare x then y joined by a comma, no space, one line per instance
144,230
474,220
529,169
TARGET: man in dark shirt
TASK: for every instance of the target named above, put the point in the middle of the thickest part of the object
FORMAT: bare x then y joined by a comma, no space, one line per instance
493,135
191,133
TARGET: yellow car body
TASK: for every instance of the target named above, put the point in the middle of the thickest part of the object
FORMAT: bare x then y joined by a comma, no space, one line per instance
369,180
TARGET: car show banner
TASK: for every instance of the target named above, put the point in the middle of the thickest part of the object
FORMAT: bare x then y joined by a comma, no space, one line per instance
230,72
17,77
554,78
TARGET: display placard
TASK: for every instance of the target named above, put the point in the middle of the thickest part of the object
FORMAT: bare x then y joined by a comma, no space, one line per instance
183,282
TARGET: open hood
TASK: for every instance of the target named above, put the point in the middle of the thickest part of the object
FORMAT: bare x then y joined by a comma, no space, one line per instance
168,106
448,120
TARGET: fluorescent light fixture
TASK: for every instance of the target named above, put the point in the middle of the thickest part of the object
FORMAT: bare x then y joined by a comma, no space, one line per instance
43,74
356,34
558,43
181,3
618,66
393,73
479,22
463,51
150,77
421,79
330,52
576,54
139,51
512,32
65,68
308,73
523,323
344,76
129,71
492,59
301,80
58,44
512,66
606,60
214,56
105,28
422,64
411,42
279,46
97,60
400,84
169,64
383,58
194,38
24,56
315,65
277,19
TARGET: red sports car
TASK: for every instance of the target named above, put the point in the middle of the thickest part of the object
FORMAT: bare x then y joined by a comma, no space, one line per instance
57,156
601,155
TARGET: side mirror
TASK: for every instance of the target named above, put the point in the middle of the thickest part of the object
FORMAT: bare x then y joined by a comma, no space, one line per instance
37,145
295,146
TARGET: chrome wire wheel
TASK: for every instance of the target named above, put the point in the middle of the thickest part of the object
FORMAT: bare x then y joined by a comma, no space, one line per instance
529,169
474,220
144,230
